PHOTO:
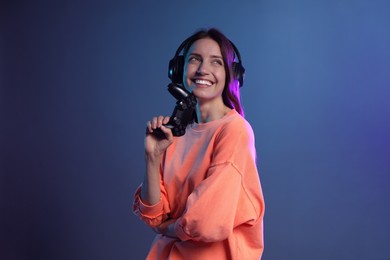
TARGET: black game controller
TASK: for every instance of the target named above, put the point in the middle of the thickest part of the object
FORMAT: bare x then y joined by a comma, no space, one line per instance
183,113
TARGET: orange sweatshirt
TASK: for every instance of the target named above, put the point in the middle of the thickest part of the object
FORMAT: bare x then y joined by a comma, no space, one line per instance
210,185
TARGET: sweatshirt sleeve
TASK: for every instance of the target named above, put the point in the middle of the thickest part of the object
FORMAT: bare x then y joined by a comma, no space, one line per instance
152,215
230,195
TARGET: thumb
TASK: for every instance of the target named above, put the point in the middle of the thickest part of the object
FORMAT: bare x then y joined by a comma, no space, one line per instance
168,132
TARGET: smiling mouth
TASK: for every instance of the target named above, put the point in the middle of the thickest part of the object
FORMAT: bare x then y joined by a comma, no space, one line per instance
203,82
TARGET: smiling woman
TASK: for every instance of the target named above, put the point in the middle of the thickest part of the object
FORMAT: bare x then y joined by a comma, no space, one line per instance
205,76
201,192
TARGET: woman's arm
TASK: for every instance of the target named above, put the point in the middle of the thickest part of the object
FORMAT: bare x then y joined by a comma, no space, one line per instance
150,192
150,202
154,150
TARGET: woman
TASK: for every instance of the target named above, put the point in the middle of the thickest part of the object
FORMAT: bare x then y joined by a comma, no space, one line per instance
201,192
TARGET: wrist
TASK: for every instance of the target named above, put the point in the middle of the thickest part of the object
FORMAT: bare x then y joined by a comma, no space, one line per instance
153,158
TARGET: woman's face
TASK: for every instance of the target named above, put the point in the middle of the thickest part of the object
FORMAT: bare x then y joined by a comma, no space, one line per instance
204,71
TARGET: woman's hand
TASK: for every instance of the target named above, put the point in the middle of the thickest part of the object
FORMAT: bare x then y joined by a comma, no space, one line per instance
155,146
167,228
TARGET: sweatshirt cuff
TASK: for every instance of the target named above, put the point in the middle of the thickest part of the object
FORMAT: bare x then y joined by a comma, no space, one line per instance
150,211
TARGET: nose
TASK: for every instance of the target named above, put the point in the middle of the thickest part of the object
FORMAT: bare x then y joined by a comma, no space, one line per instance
201,69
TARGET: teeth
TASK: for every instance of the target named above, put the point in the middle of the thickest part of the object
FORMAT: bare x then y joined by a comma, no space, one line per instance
203,82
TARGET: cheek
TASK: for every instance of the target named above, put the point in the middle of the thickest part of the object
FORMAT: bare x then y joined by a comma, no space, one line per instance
222,77
189,72
186,78
189,69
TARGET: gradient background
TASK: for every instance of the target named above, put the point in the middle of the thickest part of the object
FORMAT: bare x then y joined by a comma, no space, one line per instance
79,80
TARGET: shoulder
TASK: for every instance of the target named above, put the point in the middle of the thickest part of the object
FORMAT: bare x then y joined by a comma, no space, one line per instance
235,140
236,125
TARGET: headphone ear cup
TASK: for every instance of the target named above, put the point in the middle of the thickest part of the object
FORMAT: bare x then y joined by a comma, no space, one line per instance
175,69
238,72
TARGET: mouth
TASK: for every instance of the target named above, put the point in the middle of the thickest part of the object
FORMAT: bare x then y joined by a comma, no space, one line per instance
203,83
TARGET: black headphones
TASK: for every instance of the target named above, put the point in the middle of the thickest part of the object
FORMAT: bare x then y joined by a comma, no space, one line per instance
176,64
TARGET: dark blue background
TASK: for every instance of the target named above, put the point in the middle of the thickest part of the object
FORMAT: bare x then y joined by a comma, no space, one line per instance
79,80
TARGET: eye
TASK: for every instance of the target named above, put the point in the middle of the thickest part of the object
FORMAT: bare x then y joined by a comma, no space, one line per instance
217,62
193,58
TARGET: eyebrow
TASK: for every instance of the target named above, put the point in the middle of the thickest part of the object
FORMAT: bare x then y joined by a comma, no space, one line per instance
212,56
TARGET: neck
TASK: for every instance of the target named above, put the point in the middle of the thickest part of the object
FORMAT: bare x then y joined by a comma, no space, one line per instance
207,112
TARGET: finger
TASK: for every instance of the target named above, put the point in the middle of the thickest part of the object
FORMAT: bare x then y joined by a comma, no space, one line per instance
154,123
149,127
166,120
160,121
